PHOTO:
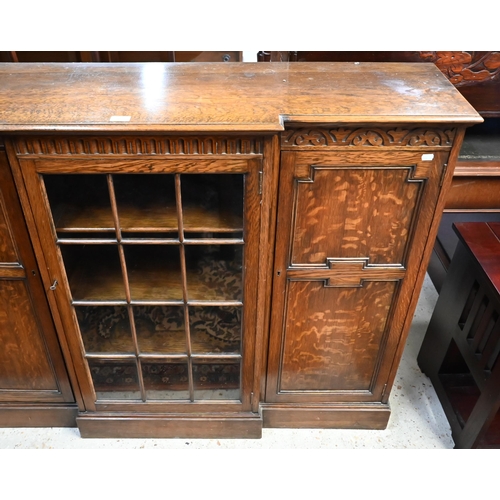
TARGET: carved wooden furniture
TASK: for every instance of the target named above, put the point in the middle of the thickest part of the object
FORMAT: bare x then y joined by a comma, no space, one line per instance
475,190
34,385
462,345
227,247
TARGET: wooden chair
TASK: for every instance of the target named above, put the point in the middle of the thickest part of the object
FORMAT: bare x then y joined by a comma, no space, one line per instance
461,349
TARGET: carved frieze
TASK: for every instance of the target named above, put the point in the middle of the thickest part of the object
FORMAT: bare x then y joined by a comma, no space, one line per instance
397,136
168,145
465,68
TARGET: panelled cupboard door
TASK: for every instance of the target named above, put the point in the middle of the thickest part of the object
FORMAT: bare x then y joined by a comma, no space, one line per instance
153,263
351,231
31,365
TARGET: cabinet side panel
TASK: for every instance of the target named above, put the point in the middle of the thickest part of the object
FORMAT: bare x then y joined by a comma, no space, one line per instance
333,335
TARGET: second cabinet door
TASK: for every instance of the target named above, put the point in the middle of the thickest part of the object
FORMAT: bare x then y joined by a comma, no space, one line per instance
32,369
351,231
153,263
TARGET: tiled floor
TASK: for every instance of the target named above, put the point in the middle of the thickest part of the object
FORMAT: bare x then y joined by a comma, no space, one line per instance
417,419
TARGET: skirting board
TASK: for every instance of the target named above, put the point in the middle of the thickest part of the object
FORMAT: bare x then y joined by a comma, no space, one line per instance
150,426
38,416
294,416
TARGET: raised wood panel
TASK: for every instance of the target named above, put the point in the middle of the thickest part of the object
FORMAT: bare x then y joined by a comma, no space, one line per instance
8,251
333,335
354,213
23,357
31,366
347,308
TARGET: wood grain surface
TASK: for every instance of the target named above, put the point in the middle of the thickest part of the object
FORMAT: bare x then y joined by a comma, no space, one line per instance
32,370
353,213
340,170
333,335
210,96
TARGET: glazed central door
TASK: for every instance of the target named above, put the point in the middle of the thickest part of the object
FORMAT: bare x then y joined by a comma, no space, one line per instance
153,263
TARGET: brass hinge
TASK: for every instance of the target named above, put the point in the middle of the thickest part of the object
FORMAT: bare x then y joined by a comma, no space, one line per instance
261,181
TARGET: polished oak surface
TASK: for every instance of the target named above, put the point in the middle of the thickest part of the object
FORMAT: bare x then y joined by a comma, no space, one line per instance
209,96
344,202
31,366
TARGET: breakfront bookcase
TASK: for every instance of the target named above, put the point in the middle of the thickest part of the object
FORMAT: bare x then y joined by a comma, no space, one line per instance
222,247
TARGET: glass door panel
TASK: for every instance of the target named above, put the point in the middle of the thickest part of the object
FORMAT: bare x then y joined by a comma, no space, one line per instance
212,203
155,269
94,272
79,203
160,329
215,329
216,379
154,272
166,380
105,329
214,272
115,379
146,203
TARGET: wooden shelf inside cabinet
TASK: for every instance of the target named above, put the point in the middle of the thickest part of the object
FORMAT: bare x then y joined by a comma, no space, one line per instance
94,218
210,203
197,219
155,218
154,273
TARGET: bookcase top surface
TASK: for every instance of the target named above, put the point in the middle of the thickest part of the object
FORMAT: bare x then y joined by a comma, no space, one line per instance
211,97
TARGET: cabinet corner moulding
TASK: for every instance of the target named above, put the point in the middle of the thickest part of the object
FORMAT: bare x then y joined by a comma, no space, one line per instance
166,145
419,137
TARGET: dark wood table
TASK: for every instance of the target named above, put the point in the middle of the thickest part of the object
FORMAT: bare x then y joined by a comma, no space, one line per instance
461,348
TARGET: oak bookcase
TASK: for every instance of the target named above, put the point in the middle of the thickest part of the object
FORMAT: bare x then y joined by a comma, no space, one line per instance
225,247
